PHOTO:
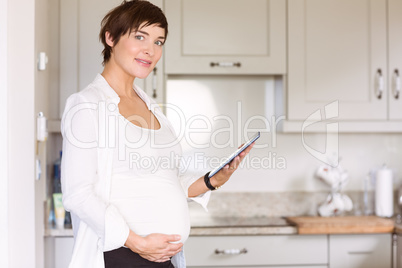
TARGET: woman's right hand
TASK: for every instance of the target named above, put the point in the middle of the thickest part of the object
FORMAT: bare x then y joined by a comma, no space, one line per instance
154,247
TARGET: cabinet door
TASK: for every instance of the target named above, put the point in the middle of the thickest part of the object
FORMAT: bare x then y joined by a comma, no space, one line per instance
398,257
58,251
275,250
240,36
395,58
64,251
301,266
360,251
337,50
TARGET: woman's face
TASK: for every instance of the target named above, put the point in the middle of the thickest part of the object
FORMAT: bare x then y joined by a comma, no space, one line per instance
137,53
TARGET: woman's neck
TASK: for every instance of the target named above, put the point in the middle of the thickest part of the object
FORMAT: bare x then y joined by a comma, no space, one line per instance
119,81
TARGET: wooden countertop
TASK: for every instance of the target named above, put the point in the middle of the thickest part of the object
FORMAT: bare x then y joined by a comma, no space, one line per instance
342,225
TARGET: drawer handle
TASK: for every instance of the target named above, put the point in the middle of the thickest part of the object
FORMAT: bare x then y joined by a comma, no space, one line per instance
360,252
225,64
230,251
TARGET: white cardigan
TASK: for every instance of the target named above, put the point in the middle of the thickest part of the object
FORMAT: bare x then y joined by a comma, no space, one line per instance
86,174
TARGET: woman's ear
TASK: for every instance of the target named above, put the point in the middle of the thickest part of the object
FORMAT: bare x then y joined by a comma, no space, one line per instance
109,39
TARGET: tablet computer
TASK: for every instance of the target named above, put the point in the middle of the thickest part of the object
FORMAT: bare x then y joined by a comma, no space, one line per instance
236,153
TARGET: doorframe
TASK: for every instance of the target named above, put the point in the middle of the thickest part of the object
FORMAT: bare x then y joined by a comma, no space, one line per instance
4,262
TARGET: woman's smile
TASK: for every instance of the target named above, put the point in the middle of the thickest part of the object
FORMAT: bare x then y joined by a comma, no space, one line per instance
146,63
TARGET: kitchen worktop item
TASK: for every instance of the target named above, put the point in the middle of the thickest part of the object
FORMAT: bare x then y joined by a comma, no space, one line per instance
384,199
342,225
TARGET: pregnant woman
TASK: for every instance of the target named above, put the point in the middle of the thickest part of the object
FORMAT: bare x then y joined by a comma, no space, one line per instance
125,212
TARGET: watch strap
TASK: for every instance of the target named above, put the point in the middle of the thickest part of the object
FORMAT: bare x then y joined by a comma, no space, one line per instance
208,183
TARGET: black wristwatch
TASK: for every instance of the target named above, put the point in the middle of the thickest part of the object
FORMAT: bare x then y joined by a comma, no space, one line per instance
208,183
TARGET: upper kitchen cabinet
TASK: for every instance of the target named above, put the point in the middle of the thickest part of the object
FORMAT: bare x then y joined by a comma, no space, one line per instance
395,58
337,52
226,37
350,52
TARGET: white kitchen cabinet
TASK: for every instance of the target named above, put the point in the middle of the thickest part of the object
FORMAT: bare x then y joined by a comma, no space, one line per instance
337,50
360,251
58,251
397,257
253,251
349,52
226,37
269,266
395,58
81,51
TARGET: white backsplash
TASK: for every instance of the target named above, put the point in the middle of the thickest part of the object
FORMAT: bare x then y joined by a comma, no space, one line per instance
285,164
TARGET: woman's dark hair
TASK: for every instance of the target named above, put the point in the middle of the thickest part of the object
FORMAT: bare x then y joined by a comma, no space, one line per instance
127,17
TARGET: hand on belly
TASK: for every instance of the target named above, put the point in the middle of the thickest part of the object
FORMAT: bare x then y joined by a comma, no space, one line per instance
154,247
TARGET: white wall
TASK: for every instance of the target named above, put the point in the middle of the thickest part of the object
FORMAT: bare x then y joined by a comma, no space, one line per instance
42,88
21,129
3,137
221,95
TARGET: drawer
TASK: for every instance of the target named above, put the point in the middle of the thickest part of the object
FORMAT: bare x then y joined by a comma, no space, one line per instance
360,250
256,250
298,266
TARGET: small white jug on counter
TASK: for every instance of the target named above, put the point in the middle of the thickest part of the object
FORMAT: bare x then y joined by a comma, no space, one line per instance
384,197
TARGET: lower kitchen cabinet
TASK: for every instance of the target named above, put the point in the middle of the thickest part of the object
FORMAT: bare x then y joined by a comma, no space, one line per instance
397,258
58,251
265,251
270,266
360,251
288,251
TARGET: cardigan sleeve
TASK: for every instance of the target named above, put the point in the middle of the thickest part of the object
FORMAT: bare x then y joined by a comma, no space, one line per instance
186,180
79,174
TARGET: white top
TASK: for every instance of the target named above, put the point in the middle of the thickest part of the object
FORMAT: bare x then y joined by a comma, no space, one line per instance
145,181
89,143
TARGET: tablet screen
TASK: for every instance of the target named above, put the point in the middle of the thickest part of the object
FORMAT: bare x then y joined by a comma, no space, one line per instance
236,153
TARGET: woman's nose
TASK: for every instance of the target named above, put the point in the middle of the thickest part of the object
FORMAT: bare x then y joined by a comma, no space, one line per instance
149,49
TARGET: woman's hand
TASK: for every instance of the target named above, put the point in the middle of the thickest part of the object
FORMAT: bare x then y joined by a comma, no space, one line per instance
198,187
224,174
154,247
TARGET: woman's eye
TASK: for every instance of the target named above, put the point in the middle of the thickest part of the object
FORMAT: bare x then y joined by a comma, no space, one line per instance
139,37
159,43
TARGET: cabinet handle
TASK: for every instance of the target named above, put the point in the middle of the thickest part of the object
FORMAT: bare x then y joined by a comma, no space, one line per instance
225,64
396,85
154,83
361,252
230,251
380,84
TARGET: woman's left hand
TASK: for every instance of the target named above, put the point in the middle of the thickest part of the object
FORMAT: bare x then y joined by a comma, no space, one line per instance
224,174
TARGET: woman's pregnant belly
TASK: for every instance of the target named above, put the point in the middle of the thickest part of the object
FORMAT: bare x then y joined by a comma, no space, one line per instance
152,204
